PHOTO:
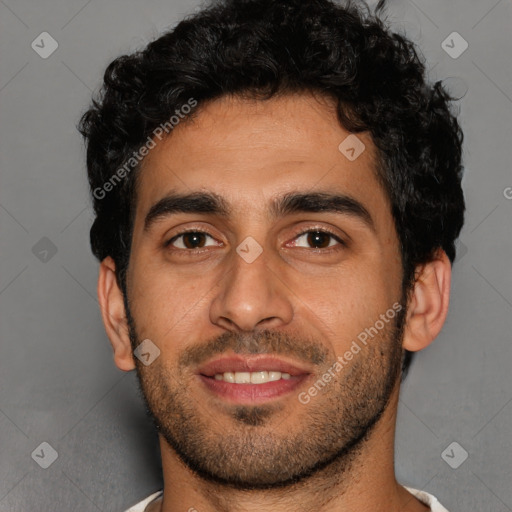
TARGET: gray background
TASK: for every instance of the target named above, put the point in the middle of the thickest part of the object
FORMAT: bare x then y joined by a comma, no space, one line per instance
58,383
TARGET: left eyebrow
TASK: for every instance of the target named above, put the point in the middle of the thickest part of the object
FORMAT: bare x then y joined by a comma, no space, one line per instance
318,202
209,203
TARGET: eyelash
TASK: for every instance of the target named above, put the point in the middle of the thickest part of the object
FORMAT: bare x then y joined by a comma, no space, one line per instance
297,235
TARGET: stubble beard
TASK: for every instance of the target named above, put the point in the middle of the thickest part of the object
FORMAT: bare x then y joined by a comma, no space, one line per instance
248,447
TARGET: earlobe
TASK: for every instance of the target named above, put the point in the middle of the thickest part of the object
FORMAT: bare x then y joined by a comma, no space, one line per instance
114,315
428,303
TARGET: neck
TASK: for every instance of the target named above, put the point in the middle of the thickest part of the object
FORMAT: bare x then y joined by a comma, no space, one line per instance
360,480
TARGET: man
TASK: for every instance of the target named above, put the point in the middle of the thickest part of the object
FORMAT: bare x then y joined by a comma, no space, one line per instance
277,196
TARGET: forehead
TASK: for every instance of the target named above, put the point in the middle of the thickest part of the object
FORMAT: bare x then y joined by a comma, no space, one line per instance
249,151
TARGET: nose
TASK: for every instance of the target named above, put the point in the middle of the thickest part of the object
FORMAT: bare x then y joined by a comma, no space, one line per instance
251,296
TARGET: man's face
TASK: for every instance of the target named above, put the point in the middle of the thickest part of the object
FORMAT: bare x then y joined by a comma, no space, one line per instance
258,293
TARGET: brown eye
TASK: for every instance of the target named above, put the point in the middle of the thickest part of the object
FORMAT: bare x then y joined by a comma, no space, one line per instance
189,240
317,239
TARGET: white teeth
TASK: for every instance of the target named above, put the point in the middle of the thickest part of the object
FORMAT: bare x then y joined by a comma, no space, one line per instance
274,376
227,376
242,378
251,377
259,377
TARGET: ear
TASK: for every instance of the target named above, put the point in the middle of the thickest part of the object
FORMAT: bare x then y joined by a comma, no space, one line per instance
114,315
428,303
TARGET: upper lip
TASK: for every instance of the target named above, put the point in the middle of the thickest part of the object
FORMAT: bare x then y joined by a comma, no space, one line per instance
256,363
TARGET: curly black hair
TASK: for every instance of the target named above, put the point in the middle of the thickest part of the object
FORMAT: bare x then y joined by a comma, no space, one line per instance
260,48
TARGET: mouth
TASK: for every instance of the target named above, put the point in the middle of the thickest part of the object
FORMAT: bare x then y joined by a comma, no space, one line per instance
254,379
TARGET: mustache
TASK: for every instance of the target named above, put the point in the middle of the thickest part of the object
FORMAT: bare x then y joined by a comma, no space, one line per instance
260,342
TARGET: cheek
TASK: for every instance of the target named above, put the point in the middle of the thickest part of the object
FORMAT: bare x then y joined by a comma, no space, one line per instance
165,307
352,300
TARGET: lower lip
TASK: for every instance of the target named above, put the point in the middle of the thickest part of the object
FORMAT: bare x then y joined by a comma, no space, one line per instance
252,393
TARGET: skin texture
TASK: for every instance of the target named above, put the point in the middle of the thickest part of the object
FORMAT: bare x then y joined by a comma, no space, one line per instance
335,452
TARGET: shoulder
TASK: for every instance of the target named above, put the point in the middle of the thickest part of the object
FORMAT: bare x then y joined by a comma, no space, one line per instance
141,506
428,499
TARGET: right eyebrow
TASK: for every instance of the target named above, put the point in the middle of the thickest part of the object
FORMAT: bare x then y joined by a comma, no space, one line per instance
197,202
